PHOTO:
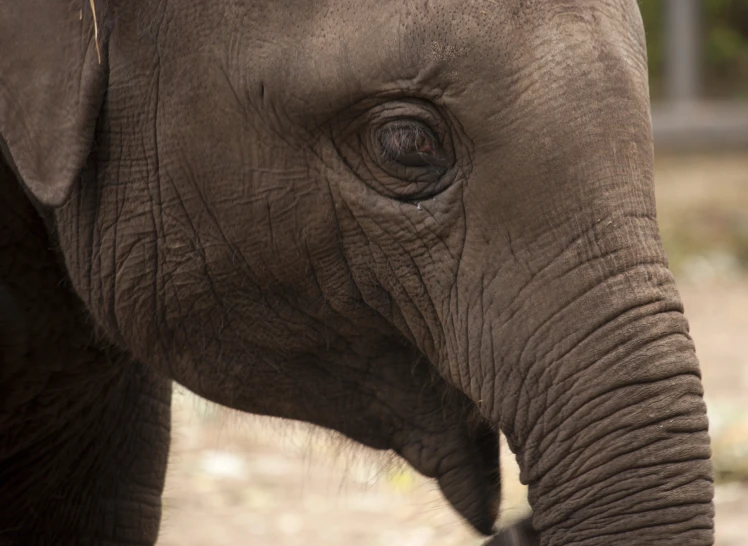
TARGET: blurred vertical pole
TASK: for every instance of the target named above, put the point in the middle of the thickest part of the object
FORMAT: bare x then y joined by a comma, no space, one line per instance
683,46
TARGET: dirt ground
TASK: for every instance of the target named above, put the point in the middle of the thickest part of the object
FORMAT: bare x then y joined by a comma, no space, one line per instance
237,480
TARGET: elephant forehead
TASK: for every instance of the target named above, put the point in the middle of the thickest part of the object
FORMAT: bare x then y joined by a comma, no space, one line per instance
345,51
311,60
331,54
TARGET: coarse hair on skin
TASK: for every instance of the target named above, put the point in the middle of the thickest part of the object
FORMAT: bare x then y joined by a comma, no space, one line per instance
397,139
316,444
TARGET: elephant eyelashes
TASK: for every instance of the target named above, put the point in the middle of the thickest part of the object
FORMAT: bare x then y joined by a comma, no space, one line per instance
411,144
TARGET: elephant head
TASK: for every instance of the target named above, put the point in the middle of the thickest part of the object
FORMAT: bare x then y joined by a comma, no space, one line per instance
413,222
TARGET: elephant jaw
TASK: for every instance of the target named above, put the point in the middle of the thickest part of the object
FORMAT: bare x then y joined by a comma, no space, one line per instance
466,467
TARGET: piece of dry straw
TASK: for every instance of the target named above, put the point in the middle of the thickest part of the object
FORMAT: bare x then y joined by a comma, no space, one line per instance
96,29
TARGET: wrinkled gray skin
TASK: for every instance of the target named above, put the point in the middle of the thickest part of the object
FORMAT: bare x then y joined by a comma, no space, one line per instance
414,222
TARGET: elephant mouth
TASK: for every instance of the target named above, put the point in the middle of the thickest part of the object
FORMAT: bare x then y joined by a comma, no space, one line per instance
405,407
465,463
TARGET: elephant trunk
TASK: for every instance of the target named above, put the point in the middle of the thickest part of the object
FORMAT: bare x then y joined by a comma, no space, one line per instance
626,436
601,398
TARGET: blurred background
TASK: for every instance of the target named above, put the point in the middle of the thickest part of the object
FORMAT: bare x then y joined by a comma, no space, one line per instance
236,479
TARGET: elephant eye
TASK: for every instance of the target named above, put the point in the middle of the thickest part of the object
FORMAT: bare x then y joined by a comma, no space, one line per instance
412,144
403,149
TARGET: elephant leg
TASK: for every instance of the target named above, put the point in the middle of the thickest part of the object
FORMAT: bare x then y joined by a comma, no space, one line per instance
92,470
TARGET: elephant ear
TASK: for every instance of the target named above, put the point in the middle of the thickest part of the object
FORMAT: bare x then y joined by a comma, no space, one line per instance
52,85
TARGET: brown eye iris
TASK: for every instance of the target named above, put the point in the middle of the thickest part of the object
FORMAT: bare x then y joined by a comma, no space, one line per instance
412,144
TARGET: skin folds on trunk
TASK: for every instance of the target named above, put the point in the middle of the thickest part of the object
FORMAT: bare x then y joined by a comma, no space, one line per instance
619,454
608,419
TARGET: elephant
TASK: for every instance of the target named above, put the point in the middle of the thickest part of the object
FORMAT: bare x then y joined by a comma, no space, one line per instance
415,223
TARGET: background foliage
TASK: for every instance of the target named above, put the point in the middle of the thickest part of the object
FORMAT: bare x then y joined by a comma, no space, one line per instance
725,53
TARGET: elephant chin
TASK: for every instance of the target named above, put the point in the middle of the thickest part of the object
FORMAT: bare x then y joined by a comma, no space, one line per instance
466,468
